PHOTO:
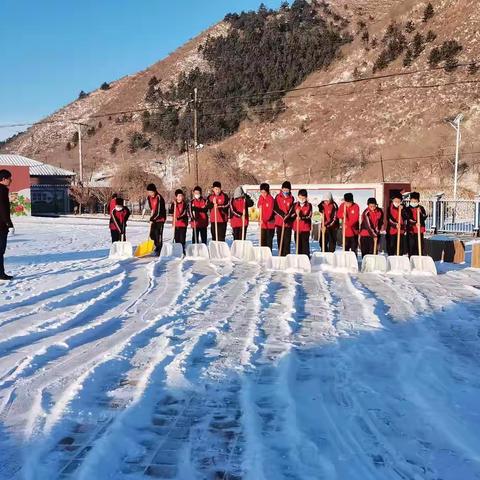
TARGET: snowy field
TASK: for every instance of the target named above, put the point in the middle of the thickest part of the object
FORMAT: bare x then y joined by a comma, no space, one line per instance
171,369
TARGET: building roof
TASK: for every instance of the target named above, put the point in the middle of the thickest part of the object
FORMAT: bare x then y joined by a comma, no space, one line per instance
36,168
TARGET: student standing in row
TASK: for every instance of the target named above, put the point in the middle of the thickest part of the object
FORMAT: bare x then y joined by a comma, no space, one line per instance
416,216
283,208
239,205
370,228
218,204
5,219
198,213
267,216
329,209
302,222
178,209
349,214
158,216
118,221
396,219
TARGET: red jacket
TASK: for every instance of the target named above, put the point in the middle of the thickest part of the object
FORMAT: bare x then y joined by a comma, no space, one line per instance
412,213
283,208
157,207
265,205
392,218
302,222
329,211
198,213
372,223
180,213
352,218
222,209
118,219
238,208
111,205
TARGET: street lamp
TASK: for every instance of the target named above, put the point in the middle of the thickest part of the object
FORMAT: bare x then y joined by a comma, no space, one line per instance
456,125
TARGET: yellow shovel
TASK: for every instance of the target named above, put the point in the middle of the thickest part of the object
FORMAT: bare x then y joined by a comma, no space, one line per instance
145,248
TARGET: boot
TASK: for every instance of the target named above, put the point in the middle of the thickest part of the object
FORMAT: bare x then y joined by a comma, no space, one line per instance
6,277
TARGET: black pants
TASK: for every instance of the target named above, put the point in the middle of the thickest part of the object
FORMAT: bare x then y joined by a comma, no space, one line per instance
181,236
330,239
287,240
303,243
3,247
366,246
222,231
238,233
201,233
156,234
266,237
413,244
117,236
351,243
392,245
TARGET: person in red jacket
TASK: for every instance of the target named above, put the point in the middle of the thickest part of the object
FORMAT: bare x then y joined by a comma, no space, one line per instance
329,209
118,221
416,216
267,216
393,223
179,210
349,214
283,208
370,227
112,204
239,205
198,213
302,222
219,205
158,216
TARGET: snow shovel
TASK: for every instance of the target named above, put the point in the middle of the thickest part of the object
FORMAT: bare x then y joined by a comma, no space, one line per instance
398,264
145,248
374,263
121,250
298,262
422,264
323,260
243,249
262,255
172,249
218,250
346,261
197,251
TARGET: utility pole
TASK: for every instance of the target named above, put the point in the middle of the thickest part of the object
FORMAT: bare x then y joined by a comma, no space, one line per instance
195,132
188,155
456,125
80,158
383,170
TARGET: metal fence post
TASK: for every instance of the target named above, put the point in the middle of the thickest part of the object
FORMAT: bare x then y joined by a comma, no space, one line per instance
435,212
476,224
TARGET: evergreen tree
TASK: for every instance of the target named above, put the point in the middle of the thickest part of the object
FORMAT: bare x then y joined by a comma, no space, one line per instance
82,95
428,13
105,86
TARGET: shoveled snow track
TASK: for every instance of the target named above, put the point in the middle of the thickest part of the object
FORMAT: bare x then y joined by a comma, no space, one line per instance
170,369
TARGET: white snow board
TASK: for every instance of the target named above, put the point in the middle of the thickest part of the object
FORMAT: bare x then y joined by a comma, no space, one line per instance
219,251
121,251
423,265
263,256
346,262
170,249
279,263
243,250
398,265
374,264
197,251
323,261
298,263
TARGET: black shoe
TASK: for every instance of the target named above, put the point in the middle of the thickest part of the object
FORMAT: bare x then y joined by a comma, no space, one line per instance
6,277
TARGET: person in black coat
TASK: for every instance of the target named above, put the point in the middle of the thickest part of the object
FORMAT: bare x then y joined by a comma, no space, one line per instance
5,220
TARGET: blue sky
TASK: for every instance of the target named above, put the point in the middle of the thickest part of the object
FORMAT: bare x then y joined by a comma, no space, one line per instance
52,49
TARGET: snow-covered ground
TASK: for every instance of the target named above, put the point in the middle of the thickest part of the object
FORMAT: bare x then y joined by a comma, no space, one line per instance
170,369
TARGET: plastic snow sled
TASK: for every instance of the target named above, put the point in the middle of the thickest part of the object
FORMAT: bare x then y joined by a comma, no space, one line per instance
374,264
423,265
279,263
398,264
121,251
170,249
243,250
323,261
263,256
298,263
346,262
219,251
145,248
197,251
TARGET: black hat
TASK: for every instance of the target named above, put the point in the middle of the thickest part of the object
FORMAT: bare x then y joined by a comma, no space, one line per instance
302,193
151,187
415,196
119,201
178,191
265,187
287,184
5,174
114,195
397,195
348,197
197,189
217,184
372,201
